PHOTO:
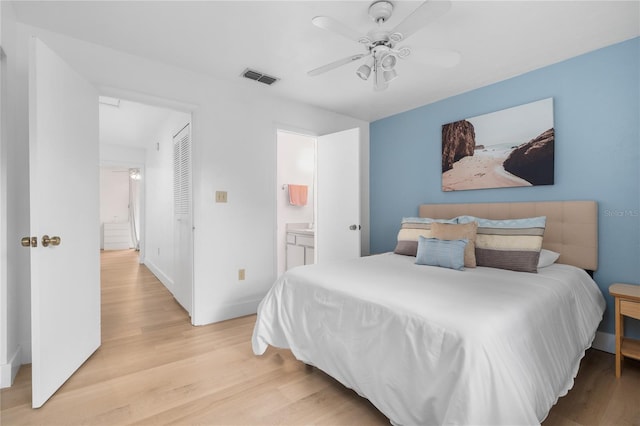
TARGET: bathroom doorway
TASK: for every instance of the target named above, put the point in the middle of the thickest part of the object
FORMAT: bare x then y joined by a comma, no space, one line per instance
326,226
295,212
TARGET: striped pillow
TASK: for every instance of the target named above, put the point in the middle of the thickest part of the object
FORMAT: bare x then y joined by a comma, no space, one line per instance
410,229
512,244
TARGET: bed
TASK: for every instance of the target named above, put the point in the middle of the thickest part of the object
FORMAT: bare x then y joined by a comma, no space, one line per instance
433,345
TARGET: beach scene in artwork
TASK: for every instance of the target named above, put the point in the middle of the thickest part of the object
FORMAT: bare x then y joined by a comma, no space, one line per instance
507,148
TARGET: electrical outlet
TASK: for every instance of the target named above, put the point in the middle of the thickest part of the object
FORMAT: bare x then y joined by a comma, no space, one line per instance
240,274
221,196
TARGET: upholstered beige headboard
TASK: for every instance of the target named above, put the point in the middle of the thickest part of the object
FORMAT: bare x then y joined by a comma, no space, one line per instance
571,229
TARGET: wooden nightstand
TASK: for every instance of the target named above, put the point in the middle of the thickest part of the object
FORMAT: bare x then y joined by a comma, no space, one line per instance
627,301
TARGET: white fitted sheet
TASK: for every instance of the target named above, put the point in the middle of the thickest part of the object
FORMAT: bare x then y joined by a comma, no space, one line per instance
429,345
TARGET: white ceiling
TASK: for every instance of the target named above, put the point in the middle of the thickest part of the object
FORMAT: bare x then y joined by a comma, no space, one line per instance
497,40
131,123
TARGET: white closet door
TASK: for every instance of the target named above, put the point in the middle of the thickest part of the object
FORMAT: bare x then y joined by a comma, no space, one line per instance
183,223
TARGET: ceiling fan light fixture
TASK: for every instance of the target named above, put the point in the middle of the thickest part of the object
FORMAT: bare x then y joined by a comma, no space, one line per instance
387,61
381,43
135,174
363,71
389,75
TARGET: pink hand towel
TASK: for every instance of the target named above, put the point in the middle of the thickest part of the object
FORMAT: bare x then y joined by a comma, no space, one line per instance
297,195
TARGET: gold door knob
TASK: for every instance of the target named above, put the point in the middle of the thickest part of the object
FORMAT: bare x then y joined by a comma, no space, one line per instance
29,242
54,241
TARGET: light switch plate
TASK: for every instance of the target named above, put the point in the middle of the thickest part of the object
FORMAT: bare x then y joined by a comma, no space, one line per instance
221,196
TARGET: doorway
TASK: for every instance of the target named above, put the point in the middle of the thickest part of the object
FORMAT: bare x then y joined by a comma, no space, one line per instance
295,164
138,181
64,137
325,226
121,195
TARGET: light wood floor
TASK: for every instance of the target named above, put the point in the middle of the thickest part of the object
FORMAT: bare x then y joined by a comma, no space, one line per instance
155,368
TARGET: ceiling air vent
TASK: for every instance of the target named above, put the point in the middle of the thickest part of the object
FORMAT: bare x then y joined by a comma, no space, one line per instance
258,76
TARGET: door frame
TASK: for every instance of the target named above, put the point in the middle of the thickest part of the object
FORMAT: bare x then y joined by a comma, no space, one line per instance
134,165
192,110
303,133
364,181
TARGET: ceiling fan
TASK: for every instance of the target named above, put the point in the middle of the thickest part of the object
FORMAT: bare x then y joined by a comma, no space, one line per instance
382,50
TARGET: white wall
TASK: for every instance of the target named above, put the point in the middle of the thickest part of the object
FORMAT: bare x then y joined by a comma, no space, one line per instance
4,365
15,341
295,165
234,149
237,154
120,155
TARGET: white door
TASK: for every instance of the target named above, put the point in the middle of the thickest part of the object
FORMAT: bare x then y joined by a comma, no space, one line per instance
338,196
183,224
64,197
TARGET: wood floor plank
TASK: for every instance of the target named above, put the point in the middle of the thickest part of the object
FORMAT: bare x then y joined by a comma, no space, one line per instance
154,368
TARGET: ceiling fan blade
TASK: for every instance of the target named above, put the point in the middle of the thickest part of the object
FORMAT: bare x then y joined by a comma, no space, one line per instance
332,25
336,64
445,58
425,13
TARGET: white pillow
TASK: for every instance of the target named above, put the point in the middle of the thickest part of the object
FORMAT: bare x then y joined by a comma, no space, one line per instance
547,257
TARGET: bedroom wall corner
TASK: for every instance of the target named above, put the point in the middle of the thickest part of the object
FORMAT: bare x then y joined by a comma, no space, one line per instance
605,342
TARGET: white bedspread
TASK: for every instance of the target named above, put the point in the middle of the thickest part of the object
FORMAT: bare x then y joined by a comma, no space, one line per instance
430,345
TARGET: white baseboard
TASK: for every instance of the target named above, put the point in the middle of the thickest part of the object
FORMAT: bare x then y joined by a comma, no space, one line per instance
228,312
605,342
164,279
9,370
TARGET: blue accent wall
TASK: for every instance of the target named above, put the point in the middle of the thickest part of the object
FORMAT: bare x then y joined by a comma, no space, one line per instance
596,99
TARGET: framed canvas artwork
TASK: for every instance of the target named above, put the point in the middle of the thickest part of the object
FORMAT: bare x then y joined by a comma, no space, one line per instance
507,148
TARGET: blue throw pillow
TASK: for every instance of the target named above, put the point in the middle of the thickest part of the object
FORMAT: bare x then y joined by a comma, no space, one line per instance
444,253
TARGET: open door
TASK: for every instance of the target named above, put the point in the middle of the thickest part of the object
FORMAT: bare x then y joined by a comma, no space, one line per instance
64,196
338,196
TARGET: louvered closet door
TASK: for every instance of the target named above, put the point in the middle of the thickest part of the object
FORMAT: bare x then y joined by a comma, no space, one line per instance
183,219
